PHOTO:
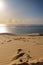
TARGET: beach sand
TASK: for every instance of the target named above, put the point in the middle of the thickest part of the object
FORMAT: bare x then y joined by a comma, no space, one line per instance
22,49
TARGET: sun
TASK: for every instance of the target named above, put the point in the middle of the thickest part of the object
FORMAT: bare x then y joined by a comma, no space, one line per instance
1,5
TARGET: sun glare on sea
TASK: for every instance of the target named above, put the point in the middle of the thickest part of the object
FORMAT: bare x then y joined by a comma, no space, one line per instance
1,5
2,28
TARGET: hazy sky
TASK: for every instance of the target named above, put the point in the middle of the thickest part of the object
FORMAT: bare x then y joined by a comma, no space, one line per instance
21,11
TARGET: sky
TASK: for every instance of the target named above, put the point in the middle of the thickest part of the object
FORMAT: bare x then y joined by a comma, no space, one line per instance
21,11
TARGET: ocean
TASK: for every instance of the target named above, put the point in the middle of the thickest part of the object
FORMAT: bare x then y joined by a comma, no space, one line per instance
21,29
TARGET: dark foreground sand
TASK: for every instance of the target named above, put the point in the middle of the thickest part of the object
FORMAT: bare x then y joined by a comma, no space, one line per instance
21,49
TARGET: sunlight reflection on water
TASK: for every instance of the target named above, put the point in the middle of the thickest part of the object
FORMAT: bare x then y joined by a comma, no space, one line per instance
21,29
3,28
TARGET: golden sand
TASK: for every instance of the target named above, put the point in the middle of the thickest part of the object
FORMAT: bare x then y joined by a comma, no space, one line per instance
11,46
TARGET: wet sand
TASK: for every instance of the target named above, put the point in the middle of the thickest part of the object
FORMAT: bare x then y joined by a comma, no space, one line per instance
21,49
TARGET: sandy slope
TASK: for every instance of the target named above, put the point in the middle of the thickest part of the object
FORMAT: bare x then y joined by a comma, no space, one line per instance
31,46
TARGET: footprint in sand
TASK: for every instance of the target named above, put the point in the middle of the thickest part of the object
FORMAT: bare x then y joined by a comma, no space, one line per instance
19,50
18,56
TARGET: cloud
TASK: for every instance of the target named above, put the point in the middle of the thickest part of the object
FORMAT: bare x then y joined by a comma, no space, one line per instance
16,20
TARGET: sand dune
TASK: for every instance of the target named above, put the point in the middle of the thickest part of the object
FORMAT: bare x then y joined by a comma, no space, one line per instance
21,49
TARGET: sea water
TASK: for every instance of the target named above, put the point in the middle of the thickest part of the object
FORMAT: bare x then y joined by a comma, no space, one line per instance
21,29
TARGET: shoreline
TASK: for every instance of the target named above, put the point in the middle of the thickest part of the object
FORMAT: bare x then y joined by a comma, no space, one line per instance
34,34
